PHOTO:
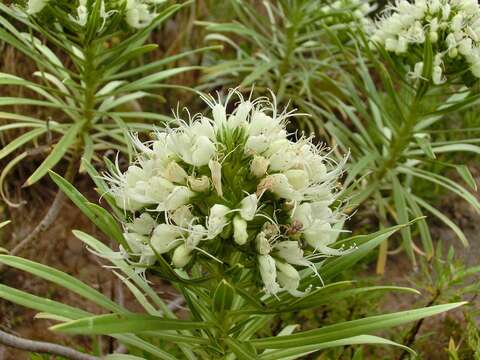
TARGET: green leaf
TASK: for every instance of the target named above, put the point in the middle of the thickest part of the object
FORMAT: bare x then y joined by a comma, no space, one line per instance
240,349
126,268
467,176
60,278
126,323
21,140
300,351
5,223
40,303
443,218
56,155
402,213
350,328
123,357
223,297
99,216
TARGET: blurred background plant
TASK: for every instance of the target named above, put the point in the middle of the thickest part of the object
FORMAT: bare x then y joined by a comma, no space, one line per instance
92,99
289,47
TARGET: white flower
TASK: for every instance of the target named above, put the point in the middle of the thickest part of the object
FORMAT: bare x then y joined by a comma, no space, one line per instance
136,242
279,185
206,188
203,150
240,234
35,6
217,220
297,178
452,25
138,14
259,166
248,207
82,14
142,225
291,252
165,237
182,216
197,233
179,196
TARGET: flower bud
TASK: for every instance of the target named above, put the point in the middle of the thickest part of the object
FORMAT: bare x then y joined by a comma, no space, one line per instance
216,171
219,115
165,237
268,272
240,234
262,244
259,166
181,256
217,220
241,114
200,184
248,207
203,150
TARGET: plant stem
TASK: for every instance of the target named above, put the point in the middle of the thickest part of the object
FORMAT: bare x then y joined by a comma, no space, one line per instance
400,143
412,334
91,81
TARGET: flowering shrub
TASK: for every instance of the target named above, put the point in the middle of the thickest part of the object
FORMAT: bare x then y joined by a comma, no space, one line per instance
138,13
451,26
232,183
345,11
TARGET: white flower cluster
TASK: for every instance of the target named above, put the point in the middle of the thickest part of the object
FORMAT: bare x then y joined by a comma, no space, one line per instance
349,10
138,13
453,27
231,183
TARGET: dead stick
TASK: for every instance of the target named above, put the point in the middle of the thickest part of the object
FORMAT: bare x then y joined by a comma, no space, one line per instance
43,347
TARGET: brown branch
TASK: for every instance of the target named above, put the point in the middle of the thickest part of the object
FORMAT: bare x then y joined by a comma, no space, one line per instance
410,338
43,347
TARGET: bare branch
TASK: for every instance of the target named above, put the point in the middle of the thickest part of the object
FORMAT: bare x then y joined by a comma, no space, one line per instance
43,347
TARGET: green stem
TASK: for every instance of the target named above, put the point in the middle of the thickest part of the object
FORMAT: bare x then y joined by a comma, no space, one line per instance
91,82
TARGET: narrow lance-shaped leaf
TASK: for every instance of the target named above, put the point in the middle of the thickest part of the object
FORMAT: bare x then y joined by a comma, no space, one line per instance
56,155
351,328
126,323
